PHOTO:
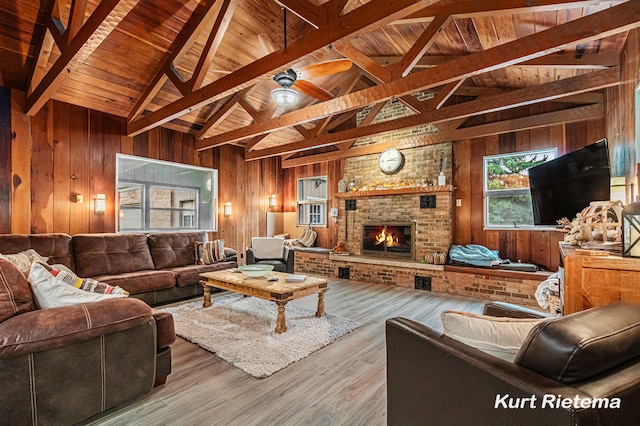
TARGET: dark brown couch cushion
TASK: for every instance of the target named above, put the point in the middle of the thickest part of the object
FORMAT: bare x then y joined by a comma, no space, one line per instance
46,329
190,275
57,247
15,294
573,348
140,281
111,254
174,249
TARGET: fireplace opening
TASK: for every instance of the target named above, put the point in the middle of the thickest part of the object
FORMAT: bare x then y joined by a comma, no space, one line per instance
391,239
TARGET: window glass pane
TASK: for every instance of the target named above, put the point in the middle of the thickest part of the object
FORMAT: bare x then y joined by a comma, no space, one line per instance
312,199
165,195
510,171
509,210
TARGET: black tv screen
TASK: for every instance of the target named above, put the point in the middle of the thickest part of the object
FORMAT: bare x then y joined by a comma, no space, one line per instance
563,187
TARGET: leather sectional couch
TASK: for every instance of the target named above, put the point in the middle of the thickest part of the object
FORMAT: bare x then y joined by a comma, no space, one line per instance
157,268
63,365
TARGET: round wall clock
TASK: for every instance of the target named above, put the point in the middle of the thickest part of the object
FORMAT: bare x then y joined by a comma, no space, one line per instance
391,161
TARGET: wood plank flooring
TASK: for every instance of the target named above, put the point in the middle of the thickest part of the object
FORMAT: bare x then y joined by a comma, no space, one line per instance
341,384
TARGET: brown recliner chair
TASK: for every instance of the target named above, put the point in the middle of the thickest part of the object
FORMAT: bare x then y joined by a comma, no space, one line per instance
63,365
590,359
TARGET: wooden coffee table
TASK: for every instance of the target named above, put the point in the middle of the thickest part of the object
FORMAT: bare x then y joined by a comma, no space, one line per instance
277,291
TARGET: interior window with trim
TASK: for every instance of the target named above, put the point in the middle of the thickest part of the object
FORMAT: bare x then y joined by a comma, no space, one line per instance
507,200
312,201
156,195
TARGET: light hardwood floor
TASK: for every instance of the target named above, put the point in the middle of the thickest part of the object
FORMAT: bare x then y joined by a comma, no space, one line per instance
341,384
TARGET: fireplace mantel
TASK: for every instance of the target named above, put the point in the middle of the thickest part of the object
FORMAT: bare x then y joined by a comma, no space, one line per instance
396,191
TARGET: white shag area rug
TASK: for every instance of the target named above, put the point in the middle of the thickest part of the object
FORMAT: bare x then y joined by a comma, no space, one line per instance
240,330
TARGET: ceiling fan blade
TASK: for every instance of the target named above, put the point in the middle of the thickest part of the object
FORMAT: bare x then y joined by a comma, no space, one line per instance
324,68
312,90
265,43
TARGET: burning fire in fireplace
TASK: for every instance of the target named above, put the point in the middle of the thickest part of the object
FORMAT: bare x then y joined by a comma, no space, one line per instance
388,240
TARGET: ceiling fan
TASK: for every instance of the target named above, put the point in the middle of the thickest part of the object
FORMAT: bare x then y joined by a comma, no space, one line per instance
291,81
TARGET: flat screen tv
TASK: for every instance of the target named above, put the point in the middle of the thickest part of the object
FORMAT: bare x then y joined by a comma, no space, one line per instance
564,186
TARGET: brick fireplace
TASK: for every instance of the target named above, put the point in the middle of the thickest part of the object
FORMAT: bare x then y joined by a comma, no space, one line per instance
388,239
426,213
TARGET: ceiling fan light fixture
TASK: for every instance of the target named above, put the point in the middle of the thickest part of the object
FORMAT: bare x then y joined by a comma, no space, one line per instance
285,96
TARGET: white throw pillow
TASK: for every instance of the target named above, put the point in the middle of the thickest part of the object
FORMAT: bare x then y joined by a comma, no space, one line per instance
52,291
497,336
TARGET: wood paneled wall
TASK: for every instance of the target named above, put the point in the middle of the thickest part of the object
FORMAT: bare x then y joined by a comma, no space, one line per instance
67,150
538,247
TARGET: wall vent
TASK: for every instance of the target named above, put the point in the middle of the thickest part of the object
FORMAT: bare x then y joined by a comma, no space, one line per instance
422,283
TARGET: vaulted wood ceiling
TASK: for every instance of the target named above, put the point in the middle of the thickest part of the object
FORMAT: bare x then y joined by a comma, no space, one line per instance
206,67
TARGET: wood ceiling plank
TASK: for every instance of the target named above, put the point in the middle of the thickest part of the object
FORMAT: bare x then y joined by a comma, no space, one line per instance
527,96
374,14
611,21
590,112
99,25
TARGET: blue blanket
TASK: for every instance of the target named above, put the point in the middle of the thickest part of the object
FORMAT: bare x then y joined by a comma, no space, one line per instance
474,254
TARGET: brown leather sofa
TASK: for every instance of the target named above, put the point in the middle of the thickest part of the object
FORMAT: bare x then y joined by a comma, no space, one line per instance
568,371
63,365
157,267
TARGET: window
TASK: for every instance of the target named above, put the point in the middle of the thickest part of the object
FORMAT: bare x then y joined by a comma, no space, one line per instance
506,188
312,201
163,196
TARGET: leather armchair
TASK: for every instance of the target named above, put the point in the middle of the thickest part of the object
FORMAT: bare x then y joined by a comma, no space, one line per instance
434,379
271,251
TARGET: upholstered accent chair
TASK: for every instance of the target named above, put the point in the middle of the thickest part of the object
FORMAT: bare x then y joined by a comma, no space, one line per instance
271,251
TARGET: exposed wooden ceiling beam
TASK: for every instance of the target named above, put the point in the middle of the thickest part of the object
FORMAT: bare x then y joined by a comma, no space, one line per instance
590,112
375,14
444,94
478,8
78,10
102,21
596,26
419,48
377,72
220,26
306,11
554,60
520,97
198,20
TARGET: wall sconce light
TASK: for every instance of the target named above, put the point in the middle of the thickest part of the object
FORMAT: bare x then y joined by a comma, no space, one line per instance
227,208
273,201
99,204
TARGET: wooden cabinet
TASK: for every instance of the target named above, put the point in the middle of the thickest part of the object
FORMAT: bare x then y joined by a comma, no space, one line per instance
597,280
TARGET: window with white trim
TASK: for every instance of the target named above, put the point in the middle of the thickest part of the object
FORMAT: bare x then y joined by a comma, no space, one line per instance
507,199
312,201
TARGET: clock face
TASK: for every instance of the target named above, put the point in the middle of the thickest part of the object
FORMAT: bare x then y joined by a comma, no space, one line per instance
391,161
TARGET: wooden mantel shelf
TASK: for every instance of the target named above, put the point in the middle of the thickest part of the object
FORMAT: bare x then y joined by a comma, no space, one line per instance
395,191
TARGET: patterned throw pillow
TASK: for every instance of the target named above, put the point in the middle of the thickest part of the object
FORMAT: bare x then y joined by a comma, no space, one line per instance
24,259
53,288
209,252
